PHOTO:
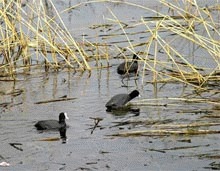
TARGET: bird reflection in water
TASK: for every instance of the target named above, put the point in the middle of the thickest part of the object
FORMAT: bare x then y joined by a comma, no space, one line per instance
63,136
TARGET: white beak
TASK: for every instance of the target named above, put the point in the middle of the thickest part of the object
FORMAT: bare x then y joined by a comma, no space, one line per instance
66,117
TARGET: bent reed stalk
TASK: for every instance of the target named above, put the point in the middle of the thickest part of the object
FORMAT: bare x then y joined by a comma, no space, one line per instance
32,37
35,37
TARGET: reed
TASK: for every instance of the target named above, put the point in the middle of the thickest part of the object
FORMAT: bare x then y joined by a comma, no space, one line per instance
188,28
32,37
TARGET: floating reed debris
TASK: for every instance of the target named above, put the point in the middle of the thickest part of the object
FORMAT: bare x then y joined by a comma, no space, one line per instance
16,146
177,148
14,92
96,122
213,165
166,128
193,125
55,100
142,122
172,101
50,139
164,133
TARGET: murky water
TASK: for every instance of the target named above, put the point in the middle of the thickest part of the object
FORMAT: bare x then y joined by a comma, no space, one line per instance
99,151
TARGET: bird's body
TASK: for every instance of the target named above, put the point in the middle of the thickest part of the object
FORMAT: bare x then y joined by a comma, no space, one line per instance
52,124
49,124
128,67
118,101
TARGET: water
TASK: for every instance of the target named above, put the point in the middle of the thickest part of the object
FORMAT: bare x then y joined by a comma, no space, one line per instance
99,150
96,151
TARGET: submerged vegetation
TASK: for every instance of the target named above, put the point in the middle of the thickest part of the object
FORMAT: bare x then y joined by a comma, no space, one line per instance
33,34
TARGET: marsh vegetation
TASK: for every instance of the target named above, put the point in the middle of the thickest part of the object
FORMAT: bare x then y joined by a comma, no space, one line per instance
49,62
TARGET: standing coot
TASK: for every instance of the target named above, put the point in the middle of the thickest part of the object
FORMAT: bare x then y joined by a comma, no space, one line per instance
118,101
128,67
52,124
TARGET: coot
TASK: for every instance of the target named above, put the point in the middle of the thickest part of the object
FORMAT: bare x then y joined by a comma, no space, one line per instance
52,124
118,101
128,67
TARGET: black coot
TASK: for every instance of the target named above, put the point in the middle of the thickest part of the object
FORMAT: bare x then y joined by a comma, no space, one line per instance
128,67
52,124
118,101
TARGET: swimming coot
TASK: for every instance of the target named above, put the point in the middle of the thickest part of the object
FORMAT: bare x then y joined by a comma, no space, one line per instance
118,101
52,124
128,67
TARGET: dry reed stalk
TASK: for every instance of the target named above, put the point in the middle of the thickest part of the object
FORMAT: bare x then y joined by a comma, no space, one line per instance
193,125
171,101
36,31
53,43
170,24
165,132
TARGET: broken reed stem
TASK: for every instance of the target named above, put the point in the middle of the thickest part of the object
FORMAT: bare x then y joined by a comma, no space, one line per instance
193,125
55,100
158,101
164,132
48,36
175,26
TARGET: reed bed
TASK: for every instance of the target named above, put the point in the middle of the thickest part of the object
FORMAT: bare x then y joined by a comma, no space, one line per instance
36,36
32,37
